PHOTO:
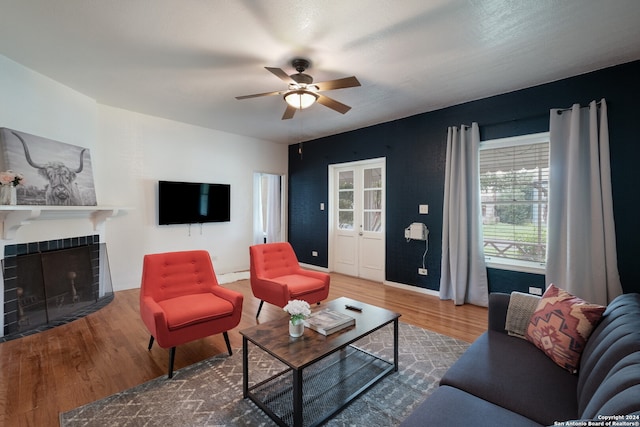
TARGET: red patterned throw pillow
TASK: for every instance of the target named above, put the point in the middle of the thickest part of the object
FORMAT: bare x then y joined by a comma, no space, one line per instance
561,325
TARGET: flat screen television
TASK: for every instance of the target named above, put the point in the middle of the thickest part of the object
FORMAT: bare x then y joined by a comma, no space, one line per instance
193,202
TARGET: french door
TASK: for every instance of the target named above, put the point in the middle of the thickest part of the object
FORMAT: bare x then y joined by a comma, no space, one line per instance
357,219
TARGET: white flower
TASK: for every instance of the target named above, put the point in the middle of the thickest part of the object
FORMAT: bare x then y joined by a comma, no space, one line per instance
297,309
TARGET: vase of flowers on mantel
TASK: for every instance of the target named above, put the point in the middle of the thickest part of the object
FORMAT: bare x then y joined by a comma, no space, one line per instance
8,182
298,310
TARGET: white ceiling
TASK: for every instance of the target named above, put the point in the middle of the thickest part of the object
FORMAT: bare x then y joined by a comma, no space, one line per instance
186,60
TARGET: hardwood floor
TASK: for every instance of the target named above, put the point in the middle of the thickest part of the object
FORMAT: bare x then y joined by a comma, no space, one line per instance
106,352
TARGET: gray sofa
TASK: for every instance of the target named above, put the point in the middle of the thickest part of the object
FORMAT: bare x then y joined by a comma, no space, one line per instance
502,380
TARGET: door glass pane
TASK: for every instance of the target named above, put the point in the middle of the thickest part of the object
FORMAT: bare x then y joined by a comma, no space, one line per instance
345,200
372,199
373,178
345,180
372,221
345,220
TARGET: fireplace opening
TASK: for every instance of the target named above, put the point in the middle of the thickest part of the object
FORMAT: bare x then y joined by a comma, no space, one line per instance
52,285
48,285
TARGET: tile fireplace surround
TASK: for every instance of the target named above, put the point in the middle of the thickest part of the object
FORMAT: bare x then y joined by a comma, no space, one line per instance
66,295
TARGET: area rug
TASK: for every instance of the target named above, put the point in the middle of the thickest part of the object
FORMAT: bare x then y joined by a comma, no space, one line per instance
209,393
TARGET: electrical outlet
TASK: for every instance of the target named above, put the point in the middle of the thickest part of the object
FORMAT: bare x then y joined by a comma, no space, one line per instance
422,271
535,291
314,253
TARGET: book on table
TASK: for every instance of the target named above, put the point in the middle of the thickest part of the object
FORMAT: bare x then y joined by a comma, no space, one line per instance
328,321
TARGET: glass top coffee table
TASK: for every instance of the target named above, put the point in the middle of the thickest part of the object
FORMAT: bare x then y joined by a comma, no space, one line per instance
322,374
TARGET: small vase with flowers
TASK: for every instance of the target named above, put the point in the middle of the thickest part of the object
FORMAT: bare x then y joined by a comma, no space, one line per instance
8,182
298,310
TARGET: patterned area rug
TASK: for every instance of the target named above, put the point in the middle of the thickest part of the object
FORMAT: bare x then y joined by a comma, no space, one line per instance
209,393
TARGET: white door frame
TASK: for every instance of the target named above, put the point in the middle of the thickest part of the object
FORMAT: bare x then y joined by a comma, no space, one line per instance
332,190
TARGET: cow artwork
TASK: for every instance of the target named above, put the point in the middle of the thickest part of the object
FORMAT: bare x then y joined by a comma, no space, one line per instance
55,173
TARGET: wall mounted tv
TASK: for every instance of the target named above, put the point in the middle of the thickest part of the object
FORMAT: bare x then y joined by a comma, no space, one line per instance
193,202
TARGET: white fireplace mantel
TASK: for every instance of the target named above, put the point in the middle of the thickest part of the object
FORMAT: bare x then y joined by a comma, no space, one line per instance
14,217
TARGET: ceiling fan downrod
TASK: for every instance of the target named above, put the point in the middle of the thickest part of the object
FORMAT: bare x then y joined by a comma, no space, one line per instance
301,78
300,64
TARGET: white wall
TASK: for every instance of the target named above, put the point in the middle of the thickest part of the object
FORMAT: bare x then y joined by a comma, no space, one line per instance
134,151
130,152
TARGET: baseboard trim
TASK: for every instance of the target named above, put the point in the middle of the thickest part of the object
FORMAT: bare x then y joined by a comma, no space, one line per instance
412,288
245,275
233,277
314,267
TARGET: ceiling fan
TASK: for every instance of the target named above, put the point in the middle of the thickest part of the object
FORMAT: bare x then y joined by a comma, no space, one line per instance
303,93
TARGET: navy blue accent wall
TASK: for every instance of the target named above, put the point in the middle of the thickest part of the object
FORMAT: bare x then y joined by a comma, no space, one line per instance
415,148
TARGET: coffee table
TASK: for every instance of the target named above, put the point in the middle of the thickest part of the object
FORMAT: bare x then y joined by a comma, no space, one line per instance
321,374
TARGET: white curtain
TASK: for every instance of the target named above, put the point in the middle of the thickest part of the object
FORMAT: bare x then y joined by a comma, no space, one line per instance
581,246
464,274
274,215
258,227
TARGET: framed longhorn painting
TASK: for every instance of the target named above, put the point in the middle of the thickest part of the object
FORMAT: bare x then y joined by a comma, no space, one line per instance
52,173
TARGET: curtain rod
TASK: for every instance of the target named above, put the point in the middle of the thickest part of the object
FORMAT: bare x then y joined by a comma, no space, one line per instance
535,116
518,119
462,126
562,110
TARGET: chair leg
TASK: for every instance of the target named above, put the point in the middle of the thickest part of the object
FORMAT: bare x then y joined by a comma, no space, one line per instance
259,308
226,339
150,343
172,356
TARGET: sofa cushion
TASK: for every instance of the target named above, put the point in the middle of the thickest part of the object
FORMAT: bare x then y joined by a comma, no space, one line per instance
449,406
513,373
561,325
619,393
614,343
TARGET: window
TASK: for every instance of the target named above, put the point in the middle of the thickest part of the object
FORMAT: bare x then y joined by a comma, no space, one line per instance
514,183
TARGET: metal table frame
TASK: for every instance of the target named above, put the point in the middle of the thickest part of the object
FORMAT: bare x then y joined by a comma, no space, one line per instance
338,342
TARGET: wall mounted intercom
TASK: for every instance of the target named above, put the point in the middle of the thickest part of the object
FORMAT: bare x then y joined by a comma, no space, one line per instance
416,231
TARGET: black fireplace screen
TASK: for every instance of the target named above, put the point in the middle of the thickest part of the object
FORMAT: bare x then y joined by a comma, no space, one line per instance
54,284
44,288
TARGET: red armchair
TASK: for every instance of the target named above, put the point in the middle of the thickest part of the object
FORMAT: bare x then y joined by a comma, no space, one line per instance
181,300
276,276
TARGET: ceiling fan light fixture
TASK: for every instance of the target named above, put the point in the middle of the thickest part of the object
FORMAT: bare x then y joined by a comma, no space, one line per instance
300,98
303,93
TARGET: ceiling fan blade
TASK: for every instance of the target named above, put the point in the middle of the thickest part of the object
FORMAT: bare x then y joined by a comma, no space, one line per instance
256,95
279,73
333,104
289,112
338,83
